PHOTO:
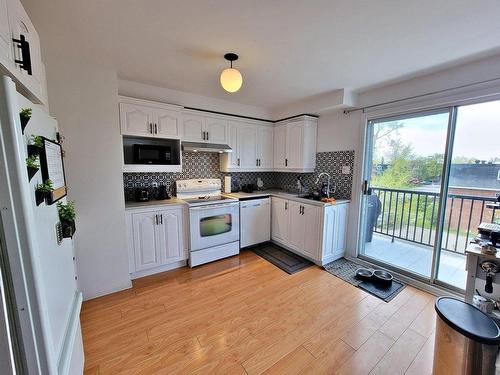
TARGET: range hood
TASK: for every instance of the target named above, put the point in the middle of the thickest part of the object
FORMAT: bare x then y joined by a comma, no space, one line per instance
205,147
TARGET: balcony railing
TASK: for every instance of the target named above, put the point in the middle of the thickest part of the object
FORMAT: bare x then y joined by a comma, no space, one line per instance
412,215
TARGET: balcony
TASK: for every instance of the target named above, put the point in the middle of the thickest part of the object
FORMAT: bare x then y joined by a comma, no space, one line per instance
404,230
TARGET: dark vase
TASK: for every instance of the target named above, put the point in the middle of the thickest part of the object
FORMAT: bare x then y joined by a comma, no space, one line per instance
40,197
24,122
31,172
34,150
68,228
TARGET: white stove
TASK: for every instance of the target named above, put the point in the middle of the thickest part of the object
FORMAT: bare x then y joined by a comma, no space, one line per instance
214,220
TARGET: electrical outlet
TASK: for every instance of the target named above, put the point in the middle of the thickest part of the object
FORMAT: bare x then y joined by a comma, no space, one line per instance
346,169
154,184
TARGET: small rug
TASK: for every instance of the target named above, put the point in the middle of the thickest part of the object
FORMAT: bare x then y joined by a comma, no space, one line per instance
346,270
282,258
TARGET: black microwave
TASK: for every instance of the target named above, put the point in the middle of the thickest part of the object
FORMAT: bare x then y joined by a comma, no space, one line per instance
152,154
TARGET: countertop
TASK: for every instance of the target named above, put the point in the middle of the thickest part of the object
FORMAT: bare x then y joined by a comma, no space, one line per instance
154,202
283,194
476,250
262,193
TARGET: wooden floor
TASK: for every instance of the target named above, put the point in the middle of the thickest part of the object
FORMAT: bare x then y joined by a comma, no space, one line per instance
243,315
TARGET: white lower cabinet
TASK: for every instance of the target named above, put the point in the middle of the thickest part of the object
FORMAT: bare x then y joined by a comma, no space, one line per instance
156,239
315,232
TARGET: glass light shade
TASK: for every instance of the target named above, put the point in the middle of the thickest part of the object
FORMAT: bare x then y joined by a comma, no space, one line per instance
231,79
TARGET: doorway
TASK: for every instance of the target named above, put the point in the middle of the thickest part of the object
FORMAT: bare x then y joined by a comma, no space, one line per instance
428,182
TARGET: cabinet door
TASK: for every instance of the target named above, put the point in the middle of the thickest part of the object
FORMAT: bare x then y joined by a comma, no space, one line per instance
136,119
234,156
5,41
311,219
296,229
294,144
265,136
20,24
340,228
247,142
279,149
216,130
193,127
279,222
168,123
145,232
171,236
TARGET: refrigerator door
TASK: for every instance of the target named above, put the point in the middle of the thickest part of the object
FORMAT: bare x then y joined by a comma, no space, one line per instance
43,271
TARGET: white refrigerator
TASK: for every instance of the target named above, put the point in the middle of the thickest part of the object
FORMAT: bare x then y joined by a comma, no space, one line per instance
40,289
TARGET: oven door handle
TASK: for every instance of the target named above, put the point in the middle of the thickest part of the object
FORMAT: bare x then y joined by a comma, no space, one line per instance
212,206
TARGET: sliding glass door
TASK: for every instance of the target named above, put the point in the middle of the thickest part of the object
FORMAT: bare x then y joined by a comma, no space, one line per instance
404,174
429,179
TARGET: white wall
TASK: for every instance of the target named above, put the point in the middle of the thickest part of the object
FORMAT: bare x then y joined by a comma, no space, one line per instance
83,98
161,94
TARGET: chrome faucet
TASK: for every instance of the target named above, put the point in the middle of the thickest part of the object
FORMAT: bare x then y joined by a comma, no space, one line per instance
327,183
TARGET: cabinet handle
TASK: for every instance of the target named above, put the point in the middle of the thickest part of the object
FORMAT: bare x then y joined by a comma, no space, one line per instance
286,205
156,219
207,135
161,219
256,162
156,128
238,162
151,127
286,162
203,135
24,46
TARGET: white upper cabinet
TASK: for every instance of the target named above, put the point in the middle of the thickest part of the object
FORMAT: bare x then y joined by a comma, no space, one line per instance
252,145
295,145
140,118
136,119
247,147
265,136
199,127
16,25
194,128
216,130
168,123
280,147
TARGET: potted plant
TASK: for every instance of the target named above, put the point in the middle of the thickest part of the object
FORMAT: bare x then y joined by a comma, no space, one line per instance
43,191
35,146
25,116
67,216
32,165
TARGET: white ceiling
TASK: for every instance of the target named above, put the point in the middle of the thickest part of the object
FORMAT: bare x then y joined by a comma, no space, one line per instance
289,49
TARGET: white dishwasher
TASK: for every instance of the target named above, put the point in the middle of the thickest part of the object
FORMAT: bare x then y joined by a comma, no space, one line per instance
255,221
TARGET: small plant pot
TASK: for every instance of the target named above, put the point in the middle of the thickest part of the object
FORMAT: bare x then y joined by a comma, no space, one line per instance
24,122
34,150
32,172
40,197
68,228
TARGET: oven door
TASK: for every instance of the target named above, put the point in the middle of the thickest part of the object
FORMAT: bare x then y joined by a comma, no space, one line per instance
213,225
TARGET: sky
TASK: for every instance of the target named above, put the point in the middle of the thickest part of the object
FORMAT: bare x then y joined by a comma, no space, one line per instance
477,135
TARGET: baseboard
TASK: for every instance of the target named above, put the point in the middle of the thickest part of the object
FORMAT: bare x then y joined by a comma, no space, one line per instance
152,271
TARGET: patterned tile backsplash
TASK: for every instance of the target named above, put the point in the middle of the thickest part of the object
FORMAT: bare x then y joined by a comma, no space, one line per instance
206,165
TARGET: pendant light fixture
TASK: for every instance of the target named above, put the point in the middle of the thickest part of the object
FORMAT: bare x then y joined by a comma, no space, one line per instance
230,78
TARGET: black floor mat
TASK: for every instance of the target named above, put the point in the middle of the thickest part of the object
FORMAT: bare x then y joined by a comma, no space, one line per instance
346,270
282,258
381,291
